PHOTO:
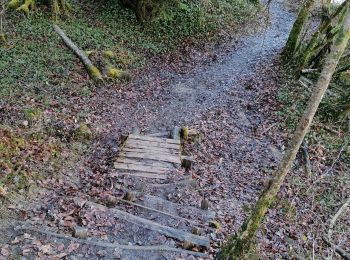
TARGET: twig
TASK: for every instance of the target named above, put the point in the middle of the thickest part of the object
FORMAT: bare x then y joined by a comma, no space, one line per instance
268,128
309,70
328,239
337,159
307,159
337,249
328,129
111,245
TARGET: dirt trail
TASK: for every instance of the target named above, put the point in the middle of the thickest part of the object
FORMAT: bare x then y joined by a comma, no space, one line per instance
227,101
213,84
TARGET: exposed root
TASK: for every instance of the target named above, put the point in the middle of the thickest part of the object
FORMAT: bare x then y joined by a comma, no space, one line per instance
58,7
26,6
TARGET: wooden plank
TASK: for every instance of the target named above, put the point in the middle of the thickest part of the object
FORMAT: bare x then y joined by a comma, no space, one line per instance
140,168
151,225
141,175
136,161
154,139
133,145
161,134
156,157
151,150
152,144
174,208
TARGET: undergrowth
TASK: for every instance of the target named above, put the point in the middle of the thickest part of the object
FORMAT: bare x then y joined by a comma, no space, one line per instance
41,80
328,145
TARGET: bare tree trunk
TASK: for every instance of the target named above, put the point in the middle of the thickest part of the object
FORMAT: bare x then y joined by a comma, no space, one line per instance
241,243
297,29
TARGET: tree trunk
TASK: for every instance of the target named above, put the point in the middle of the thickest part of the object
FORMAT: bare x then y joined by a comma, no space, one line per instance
325,26
241,244
144,9
298,27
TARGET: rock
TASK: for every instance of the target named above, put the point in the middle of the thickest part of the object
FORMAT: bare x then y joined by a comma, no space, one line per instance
344,77
204,204
197,231
214,224
83,132
187,245
80,232
111,200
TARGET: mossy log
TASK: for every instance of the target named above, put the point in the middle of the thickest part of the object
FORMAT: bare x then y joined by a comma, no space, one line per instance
144,10
239,245
93,71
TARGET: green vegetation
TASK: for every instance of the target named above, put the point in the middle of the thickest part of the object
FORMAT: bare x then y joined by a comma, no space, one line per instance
41,76
19,153
35,54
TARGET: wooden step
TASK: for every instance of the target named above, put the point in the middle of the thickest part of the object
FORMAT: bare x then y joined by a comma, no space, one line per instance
164,134
151,225
151,150
137,161
174,208
152,144
140,175
133,145
156,157
154,139
140,168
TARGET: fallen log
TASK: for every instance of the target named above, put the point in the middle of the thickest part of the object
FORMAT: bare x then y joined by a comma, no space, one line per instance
154,226
161,248
93,71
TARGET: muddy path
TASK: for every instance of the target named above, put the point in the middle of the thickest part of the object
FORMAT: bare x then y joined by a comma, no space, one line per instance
216,82
229,101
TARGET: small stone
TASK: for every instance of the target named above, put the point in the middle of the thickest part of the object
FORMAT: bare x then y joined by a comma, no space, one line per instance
214,224
83,132
101,253
204,204
187,245
25,123
197,231
129,196
80,232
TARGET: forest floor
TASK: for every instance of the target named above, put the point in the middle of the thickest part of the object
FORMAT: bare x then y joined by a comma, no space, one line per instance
233,95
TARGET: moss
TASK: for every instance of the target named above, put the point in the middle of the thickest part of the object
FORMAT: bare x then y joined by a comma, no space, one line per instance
184,133
2,39
298,26
214,224
32,113
28,4
13,4
88,53
95,72
108,54
83,132
117,74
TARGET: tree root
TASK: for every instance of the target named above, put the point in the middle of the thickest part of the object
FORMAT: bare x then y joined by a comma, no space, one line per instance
58,7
